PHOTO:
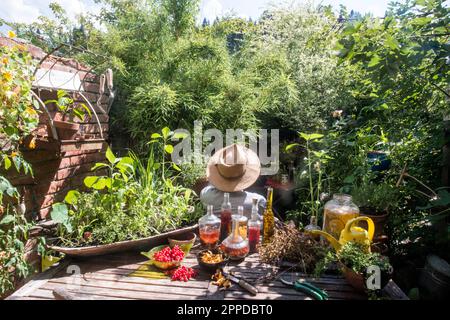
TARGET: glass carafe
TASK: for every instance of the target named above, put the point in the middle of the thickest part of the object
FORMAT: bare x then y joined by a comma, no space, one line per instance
254,228
337,212
235,246
225,217
209,228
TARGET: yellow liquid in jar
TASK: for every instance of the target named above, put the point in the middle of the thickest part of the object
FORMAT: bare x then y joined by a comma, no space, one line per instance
334,221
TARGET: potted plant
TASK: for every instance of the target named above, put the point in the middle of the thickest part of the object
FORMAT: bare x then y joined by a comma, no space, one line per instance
354,261
375,201
67,128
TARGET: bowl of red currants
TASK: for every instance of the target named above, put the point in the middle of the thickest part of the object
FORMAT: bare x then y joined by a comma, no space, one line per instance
164,257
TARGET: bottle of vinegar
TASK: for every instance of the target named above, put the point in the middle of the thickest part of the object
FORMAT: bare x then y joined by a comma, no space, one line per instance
268,218
225,217
254,227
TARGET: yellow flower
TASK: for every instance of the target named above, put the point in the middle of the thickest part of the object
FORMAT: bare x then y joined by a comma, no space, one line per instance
7,76
5,60
32,144
14,154
11,34
30,111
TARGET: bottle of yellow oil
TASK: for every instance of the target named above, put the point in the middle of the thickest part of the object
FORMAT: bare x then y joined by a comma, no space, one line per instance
268,218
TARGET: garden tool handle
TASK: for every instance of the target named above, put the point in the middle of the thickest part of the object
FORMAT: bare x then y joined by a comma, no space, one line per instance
298,286
370,224
247,286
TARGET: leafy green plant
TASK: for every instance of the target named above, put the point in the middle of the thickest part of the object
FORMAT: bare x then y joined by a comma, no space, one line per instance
134,199
354,256
13,235
315,160
376,197
68,107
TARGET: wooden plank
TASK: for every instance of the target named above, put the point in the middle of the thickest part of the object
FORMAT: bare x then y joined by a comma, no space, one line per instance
121,293
199,282
47,294
38,281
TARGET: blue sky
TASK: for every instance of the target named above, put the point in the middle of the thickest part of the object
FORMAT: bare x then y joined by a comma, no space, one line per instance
29,10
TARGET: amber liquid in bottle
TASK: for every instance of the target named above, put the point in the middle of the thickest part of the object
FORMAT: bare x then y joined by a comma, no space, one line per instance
225,217
268,218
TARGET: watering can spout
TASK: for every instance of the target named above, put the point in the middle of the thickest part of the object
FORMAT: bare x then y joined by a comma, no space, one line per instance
334,242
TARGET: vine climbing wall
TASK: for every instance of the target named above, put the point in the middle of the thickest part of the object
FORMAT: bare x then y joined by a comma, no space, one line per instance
60,164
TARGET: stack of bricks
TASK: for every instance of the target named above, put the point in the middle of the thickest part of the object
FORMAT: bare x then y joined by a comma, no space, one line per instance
55,172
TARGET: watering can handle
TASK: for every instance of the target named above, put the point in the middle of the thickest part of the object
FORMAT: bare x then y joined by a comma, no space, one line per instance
371,225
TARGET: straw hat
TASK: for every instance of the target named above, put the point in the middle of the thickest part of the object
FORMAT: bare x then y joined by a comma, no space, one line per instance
233,168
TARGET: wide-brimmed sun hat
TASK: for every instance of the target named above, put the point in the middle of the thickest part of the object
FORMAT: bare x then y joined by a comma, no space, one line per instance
233,168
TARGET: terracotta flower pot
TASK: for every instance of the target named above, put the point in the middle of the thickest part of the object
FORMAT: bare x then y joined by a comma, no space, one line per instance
356,280
378,219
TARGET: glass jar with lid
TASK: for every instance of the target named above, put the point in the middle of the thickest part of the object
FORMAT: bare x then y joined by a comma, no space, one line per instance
235,246
209,228
337,212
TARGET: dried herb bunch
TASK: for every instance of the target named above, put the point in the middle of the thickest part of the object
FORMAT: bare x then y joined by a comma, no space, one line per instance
291,245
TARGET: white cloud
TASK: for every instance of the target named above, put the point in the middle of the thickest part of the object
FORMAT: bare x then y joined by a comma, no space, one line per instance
18,11
29,10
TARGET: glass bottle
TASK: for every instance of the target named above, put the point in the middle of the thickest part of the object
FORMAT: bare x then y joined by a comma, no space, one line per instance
225,217
313,226
268,218
243,222
235,246
337,212
254,227
209,228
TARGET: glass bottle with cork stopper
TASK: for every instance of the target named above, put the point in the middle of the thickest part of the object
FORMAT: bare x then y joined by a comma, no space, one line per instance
225,217
254,227
209,228
235,246
268,218
243,222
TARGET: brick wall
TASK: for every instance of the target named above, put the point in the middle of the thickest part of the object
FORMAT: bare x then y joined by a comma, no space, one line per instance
57,171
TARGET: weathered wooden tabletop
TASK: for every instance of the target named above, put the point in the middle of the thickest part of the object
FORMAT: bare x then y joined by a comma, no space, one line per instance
107,277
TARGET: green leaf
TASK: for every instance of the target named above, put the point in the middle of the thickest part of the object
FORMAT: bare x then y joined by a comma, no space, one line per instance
99,165
88,111
72,196
312,136
60,214
290,146
98,183
126,164
168,148
165,131
7,162
7,220
176,167
155,136
374,61
110,156
61,93
78,114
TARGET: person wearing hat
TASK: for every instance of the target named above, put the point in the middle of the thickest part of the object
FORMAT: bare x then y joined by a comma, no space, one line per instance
233,169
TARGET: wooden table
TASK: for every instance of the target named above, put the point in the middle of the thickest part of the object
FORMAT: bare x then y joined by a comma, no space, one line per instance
107,277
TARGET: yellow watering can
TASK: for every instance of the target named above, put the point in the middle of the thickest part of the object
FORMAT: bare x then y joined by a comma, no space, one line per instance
351,233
